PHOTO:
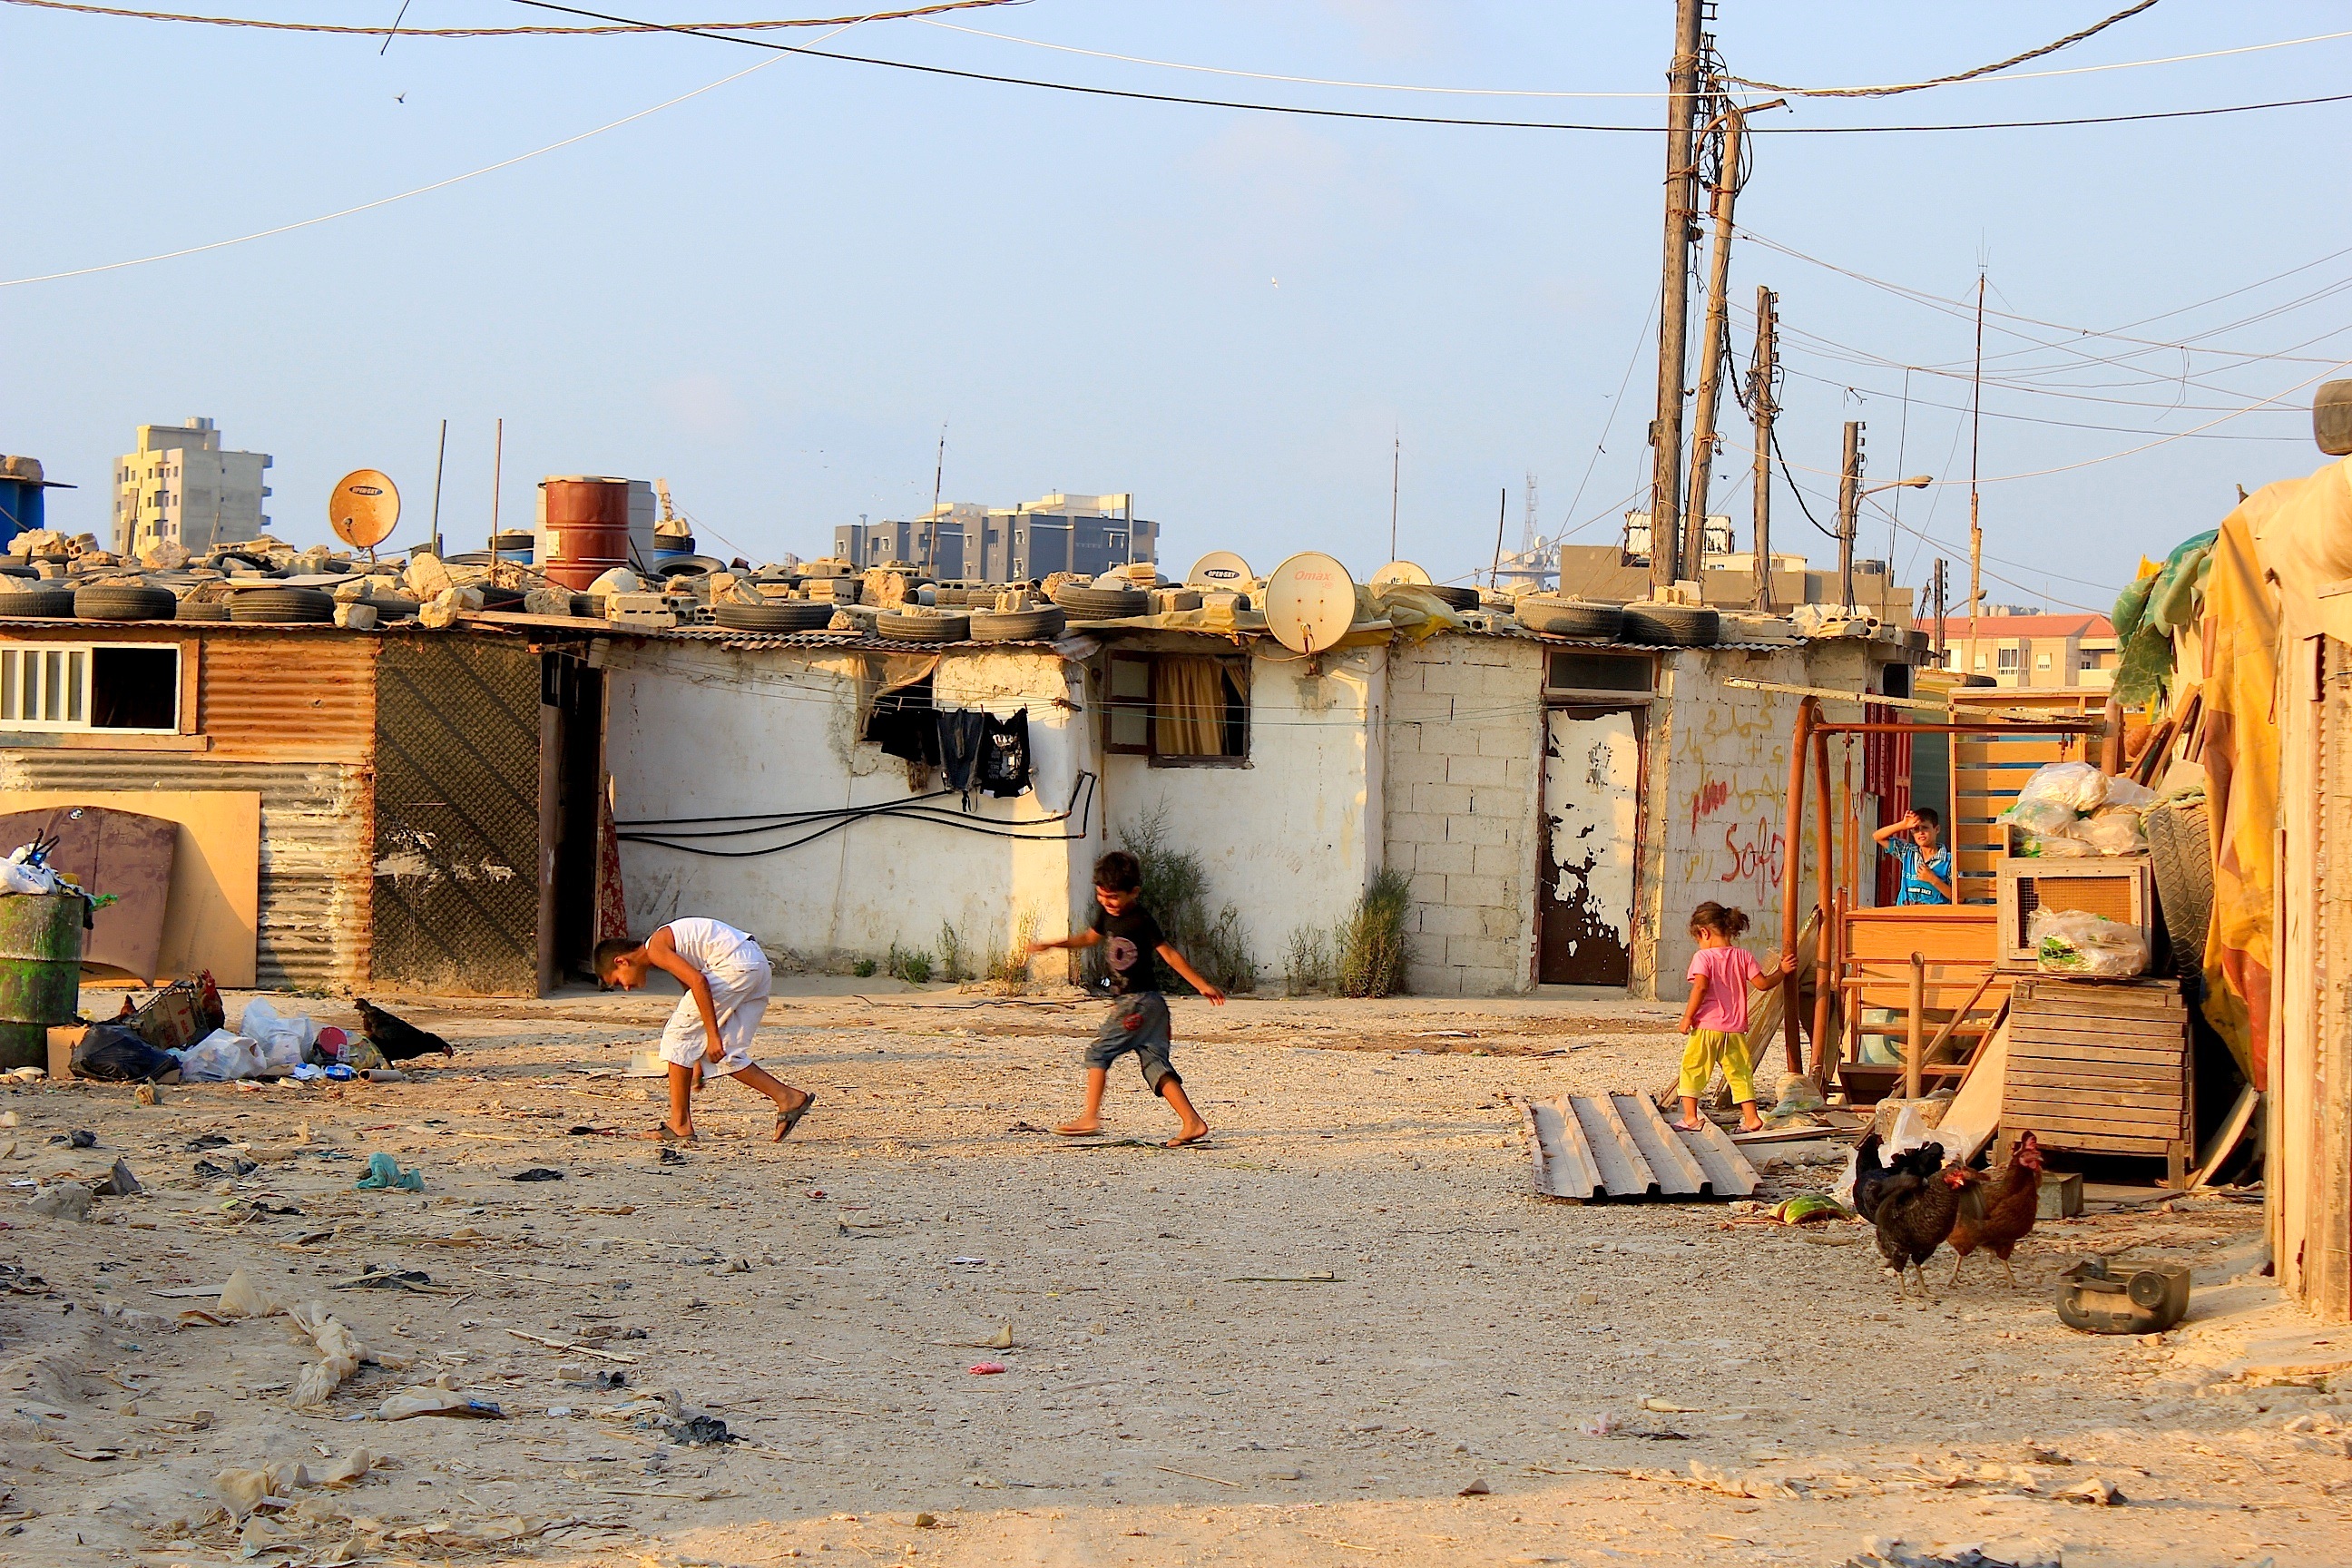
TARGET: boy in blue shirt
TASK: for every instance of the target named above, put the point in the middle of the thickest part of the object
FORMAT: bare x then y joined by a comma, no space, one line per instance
1917,844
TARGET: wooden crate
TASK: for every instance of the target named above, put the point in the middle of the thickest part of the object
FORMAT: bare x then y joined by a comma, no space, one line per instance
2100,1067
2120,887
1875,951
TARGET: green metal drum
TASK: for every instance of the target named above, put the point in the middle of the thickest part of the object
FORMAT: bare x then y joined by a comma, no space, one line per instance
40,972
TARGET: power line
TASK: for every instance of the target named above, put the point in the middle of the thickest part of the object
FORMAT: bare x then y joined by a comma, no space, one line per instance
387,34
2033,54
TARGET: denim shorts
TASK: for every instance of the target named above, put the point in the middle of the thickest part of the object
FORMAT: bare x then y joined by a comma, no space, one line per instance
1137,1023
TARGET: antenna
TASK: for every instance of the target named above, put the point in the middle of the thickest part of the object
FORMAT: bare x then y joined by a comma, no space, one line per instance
1528,535
1396,473
938,474
497,477
440,456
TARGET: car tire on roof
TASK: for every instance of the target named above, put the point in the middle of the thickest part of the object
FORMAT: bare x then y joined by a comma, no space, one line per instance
201,610
1102,603
1017,625
900,626
1452,597
36,603
1672,625
123,603
1572,617
282,607
788,616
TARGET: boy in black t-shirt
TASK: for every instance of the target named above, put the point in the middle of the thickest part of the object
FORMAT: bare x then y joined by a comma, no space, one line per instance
1139,1021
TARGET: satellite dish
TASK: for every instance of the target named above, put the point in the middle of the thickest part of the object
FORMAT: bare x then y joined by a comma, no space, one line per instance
1219,569
1402,572
363,509
1310,602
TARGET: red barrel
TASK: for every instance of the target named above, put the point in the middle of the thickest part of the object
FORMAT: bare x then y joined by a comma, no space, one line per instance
587,529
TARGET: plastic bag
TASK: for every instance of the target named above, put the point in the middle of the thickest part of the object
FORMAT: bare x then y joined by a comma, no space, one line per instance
2073,941
20,874
2129,793
2078,786
2113,830
111,1055
278,1033
2041,816
218,1057
2056,846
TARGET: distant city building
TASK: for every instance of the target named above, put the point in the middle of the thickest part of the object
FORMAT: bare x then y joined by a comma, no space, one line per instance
2034,649
1726,579
1058,533
181,488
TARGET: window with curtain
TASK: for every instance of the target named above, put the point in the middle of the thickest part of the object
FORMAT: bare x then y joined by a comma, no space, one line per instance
1178,709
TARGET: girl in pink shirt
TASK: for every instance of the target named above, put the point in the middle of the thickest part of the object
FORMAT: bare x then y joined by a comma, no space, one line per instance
1716,1016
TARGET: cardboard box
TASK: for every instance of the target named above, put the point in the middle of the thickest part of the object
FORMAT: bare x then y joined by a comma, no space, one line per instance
63,1039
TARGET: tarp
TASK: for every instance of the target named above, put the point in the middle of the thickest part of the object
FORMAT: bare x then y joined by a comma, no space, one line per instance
2274,555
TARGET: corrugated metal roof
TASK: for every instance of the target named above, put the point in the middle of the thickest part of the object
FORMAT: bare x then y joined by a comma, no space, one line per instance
316,821
751,642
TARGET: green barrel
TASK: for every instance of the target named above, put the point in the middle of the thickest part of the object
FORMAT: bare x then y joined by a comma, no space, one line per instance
40,972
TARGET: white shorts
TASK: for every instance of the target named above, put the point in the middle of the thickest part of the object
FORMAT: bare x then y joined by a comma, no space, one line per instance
739,998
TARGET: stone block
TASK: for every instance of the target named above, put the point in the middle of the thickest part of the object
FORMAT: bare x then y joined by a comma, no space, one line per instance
1445,859
1416,767
1468,829
1513,739
1441,921
1432,980
1519,773
1475,769
1429,887
1478,980
1397,857
1475,890
1507,682
1417,827
1517,806
1413,708
1499,859
1450,679
1471,952
1445,800
1450,739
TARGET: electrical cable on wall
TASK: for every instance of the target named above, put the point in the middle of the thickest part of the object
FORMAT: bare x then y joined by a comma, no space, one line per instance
669,833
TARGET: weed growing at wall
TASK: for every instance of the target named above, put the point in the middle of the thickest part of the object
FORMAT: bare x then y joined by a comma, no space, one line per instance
911,965
1306,961
955,958
1009,967
1374,950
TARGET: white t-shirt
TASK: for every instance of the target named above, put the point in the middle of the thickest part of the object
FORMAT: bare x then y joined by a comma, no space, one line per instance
715,947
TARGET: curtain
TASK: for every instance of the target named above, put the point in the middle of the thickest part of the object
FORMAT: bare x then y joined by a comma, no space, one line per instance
1188,702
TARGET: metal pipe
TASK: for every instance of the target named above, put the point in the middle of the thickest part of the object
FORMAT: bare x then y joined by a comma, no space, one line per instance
1826,951
1793,858
1895,727
1915,1044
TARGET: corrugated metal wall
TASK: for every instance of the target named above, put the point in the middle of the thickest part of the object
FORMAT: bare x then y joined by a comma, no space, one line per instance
284,697
315,831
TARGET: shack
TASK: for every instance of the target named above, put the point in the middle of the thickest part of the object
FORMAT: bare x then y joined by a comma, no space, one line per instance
399,809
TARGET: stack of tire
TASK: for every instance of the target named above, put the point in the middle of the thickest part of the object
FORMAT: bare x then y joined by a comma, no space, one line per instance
776,616
127,602
282,607
35,600
915,624
1647,625
1090,603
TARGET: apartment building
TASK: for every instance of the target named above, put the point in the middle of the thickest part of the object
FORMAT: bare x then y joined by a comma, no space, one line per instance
2033,649
1057,532
181,487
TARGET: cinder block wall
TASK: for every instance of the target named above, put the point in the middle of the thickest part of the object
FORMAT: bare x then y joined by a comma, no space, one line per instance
1464,724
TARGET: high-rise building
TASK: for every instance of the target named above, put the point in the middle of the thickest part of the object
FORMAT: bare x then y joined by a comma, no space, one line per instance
1089,534
181,488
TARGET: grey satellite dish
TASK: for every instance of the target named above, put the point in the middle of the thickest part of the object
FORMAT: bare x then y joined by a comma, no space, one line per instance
1402,572
1310,602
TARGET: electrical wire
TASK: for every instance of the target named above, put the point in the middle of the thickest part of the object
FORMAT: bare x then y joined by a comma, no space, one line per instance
667,833
387,34
2033,54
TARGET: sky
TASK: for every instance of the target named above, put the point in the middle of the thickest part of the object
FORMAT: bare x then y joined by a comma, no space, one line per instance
774,293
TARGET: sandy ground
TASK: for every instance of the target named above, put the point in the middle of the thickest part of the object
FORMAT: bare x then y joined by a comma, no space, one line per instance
1658,1382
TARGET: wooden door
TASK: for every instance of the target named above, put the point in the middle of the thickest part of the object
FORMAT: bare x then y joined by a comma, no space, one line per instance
1592,825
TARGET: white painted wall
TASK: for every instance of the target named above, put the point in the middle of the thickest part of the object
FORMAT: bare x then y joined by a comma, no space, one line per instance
1292,839
696,730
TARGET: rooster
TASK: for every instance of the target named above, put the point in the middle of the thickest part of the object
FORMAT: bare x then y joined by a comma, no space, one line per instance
2012,1199
1915,1215
398,1039
1870,1172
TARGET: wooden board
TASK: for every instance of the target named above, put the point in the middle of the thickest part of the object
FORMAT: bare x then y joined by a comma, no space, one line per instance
1591,1148
212,910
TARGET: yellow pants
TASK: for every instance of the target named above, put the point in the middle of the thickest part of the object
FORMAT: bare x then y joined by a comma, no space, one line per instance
1708,1046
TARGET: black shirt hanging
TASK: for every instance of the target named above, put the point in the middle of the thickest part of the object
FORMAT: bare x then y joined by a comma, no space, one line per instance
1004,756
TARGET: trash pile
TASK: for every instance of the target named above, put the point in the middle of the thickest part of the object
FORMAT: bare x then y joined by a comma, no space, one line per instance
182,1035
2074,809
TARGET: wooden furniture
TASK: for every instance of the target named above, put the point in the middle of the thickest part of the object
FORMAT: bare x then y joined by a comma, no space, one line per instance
2119,887
1960,986
2100,1067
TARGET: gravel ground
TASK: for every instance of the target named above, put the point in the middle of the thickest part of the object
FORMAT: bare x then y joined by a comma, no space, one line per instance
1300,1343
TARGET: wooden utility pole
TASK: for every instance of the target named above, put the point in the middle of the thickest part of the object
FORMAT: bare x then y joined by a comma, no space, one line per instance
1942,589
1849,502
1502,510
1673,308
1760,399
1713,348
1975,523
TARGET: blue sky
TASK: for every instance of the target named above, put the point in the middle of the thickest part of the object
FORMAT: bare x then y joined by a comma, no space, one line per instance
774,293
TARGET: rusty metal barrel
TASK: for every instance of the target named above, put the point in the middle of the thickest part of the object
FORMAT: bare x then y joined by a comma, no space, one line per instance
40,972
587,529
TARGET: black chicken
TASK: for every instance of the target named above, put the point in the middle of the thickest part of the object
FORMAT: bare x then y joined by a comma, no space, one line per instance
1870,1172
397,1038
1915,1215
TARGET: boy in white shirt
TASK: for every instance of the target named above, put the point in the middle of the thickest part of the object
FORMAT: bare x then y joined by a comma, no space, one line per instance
726,978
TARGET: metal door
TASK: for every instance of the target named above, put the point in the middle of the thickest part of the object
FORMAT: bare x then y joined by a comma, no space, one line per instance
1592,825
456,816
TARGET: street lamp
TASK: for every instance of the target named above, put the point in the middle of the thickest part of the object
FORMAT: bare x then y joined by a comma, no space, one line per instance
1850,502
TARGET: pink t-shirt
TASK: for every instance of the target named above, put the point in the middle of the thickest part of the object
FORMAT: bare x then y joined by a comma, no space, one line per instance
1728,971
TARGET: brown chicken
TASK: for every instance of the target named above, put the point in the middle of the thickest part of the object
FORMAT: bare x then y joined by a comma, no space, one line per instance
1915,1215
2011,1198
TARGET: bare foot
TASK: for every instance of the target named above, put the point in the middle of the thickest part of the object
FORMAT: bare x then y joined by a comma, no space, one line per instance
1192,1133
1081,1128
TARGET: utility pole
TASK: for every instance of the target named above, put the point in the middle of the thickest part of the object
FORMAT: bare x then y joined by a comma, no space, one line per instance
939,473
1674,307
1760,399
1942,589
440,456
1396,477
497,479
1502,510
1975,523
1712,349
1849,502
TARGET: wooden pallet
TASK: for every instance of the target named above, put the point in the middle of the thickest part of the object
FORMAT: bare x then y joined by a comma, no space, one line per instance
1590,1148
2100,1069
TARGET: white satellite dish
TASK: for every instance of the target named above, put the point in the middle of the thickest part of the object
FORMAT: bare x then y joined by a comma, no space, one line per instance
1404,571
1219,569
1310,602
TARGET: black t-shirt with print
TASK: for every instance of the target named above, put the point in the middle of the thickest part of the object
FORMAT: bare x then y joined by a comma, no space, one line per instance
1131,945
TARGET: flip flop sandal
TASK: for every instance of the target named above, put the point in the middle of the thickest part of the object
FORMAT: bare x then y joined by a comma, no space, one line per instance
663,1132
790,1119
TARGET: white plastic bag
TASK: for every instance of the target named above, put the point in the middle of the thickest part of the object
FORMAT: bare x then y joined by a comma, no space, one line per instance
2062,845
2040,816
218,1057
282,1037
2113,830
17,876
2078,786
2129,793
2088,946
